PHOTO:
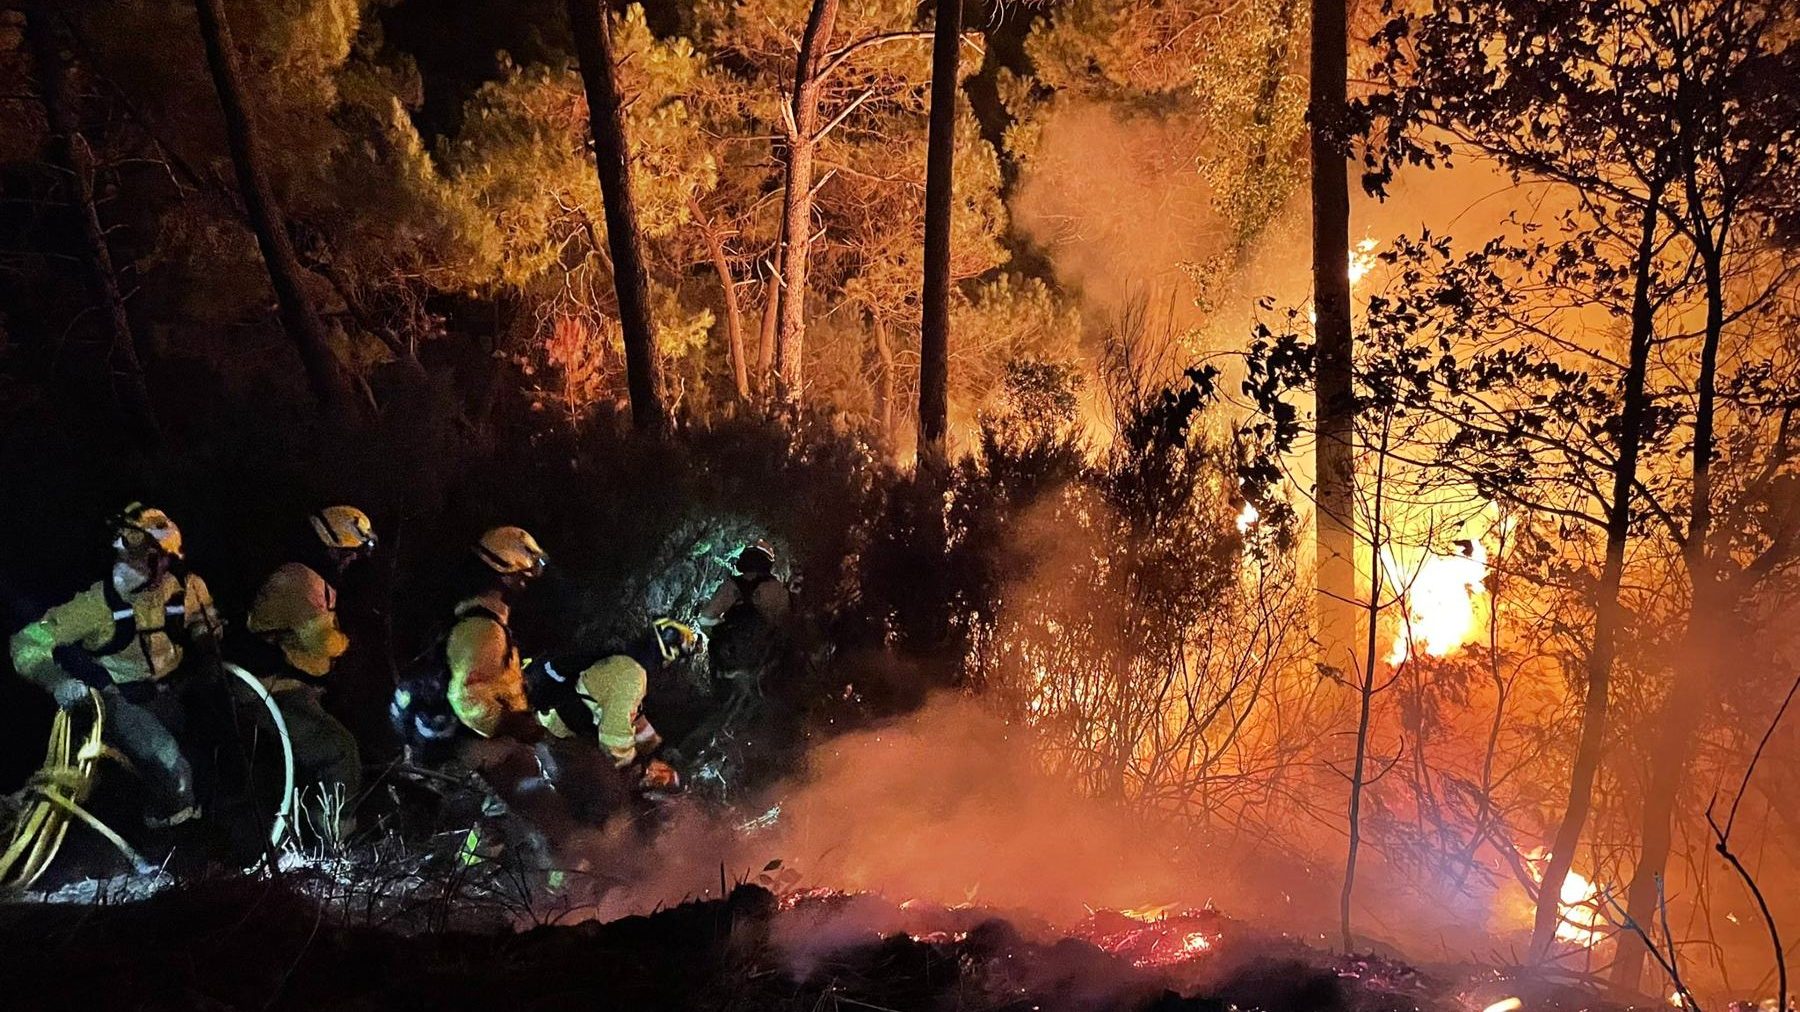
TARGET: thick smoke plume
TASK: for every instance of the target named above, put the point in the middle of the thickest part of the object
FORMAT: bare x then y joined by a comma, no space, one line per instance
945,806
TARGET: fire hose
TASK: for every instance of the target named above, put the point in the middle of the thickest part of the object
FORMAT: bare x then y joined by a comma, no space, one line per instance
58,791
54,795
284,814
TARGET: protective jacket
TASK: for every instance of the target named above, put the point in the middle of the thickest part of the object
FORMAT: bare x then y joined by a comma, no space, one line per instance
111,635
296,612
486,680
608,704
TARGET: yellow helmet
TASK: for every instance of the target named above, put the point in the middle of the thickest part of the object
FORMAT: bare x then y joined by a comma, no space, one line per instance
675,640
343,527
511,550
138,526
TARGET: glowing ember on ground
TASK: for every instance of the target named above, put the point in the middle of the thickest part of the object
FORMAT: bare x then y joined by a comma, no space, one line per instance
1504,1005
1442,594
798,897
1151,936
939,937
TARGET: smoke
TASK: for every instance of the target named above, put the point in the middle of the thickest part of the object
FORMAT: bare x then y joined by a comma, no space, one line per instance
949,806
945,806
1116,199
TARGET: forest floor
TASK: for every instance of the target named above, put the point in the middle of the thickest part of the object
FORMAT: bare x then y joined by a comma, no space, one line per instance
269,943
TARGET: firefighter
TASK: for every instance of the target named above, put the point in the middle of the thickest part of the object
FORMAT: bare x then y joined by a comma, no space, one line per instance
487,684
294,643
603,702
484,724
747,623
125,637
468,687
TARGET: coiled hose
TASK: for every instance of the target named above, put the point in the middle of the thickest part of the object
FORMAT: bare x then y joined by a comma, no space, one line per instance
57,792
54,795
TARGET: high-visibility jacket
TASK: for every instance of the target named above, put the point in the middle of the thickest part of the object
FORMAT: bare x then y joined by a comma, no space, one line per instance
612,692
486,679
296,611
133,636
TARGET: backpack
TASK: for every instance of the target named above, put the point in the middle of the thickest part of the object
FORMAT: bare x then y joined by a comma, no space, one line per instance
555,687
420,712
744,638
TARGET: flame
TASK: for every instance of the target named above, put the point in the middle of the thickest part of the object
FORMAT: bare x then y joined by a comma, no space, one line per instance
1505,1005
1442,594
1149,914
1248,517
1362,260
1578,908
1579,918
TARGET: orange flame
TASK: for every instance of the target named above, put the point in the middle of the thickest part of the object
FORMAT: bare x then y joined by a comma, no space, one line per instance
1579,918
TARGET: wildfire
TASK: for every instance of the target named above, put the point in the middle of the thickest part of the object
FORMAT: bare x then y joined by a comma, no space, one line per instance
1247,518
1441,595
1152,936
1578,910
1148,914
1579,918
1362,260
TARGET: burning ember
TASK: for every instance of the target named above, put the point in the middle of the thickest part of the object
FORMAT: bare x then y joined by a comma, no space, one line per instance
1442,595
1150,936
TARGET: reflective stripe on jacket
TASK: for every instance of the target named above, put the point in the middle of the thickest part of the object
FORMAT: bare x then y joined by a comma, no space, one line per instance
128,634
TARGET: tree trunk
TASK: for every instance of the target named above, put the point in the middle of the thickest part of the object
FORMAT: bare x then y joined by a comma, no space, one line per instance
70,152
1335,445
797,201
329,380
884,391
1589,751
1365,704
1690,699
766,330
734,313
612,161
940,186
1680,718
